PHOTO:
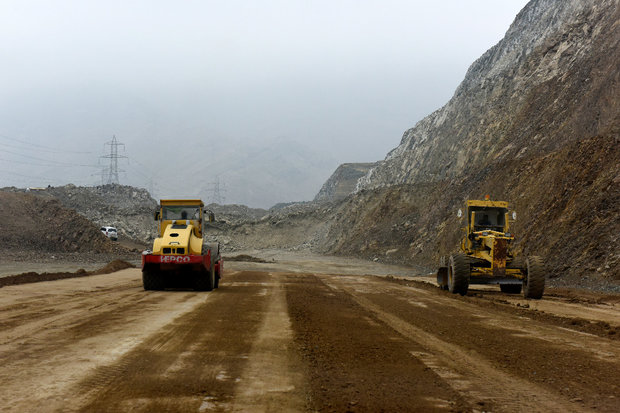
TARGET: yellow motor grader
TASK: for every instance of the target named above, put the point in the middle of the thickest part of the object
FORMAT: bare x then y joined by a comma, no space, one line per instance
179,256
486,255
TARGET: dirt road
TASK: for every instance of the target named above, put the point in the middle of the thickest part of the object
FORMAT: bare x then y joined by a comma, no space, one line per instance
270,339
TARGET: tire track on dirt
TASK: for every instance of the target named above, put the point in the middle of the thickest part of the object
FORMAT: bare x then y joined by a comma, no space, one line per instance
520,321
458,346
194,363
41,362
38,310
354,361
67,326
272,380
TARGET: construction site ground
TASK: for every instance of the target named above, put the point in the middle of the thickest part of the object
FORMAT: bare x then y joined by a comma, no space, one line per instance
304,333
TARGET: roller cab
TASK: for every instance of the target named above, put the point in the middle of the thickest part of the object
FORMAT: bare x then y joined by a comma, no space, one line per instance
180,257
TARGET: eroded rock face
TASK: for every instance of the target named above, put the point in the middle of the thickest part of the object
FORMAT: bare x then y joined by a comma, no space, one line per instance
553,79
535,122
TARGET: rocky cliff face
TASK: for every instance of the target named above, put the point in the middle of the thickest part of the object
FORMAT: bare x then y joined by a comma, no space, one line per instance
552,80
343,181
535,122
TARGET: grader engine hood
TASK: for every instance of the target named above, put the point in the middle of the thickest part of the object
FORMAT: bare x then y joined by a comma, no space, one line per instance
178,239
494,249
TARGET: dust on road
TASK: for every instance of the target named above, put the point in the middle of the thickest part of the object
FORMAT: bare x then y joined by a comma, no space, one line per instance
270,339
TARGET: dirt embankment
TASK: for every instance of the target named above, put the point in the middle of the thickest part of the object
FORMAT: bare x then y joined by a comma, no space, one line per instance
33,223
33,277
535,122
568,204
127,208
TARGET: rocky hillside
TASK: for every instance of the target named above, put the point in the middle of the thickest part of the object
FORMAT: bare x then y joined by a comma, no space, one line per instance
37,224
127,208
343,181
295,226
551,81
536,122
233,213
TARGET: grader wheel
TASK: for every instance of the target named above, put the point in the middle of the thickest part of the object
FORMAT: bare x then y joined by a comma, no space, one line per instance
458,274
534,281
442,274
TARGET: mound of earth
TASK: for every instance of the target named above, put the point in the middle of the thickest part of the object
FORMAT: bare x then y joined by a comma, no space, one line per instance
34,223
127,208
246,258
113,266
33,277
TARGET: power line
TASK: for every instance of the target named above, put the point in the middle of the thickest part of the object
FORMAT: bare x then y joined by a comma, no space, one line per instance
51,162
102,174
149,176
114,157
63,165
46,179
149,182
41,148
37,149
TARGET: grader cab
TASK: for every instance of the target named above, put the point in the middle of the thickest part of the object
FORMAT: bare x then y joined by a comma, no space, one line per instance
486,256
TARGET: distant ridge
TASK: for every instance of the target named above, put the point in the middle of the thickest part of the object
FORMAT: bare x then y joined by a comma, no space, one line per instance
343,181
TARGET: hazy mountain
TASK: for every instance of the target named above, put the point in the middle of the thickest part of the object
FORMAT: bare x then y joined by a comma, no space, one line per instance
343,181
258,175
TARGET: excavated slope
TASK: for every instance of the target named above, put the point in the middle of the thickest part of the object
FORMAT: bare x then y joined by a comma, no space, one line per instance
34,223
535,122
551,81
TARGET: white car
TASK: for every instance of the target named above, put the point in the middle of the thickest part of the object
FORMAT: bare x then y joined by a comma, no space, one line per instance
110,232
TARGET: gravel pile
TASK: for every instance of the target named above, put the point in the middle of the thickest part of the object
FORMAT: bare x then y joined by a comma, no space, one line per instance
128,209
39,224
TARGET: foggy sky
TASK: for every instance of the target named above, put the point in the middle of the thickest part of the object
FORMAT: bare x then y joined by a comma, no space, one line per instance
344,78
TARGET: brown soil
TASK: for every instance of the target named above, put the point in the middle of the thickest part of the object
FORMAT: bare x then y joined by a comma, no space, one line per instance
33,277
552,309
44,225
245,258
355,361
278,340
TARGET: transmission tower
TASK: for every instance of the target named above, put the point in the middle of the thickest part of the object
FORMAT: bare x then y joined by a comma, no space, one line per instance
153,189
217,191
114,157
